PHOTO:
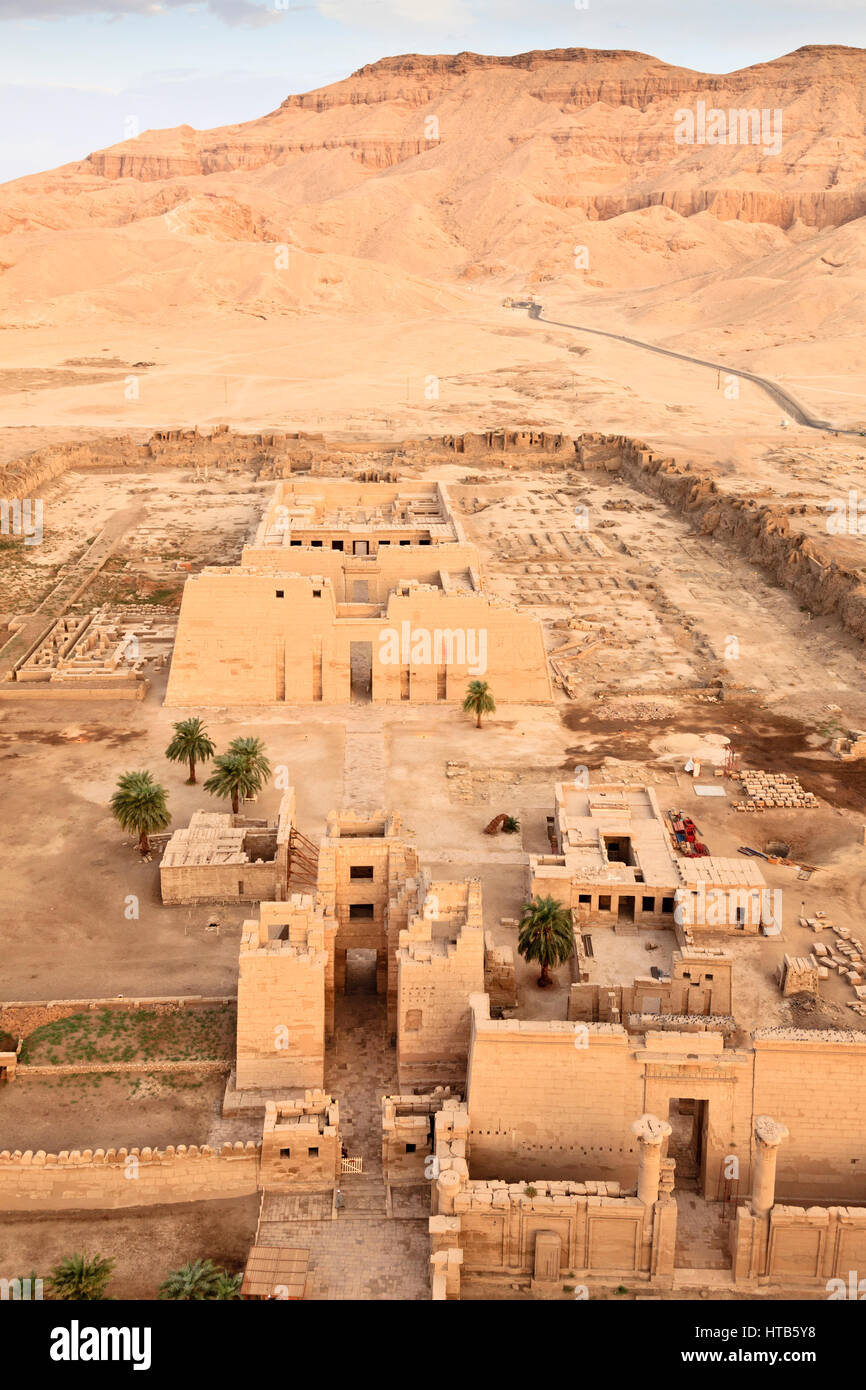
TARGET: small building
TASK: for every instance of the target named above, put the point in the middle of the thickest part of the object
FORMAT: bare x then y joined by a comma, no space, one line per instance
222,858
615,865
276,1272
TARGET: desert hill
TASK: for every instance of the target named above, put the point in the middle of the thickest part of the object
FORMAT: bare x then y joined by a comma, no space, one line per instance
430,186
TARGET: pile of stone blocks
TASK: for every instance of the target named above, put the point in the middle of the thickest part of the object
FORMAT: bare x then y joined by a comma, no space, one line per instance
766,790
799,975
846,955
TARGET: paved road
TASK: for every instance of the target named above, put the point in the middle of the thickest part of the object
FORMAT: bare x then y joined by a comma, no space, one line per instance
777,393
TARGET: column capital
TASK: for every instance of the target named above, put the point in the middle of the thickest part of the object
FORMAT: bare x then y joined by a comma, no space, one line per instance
649,1129
769,1132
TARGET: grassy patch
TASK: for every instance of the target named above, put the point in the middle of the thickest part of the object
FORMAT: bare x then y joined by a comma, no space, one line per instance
134,1035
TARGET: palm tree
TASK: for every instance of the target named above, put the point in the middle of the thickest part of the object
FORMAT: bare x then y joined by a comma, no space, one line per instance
139,805
190,744
80,1278
478,701
199,1281
227,1286
252,750
242,771
545,935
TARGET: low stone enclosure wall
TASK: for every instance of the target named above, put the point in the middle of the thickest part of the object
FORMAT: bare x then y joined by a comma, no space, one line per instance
108,1178
551,1232
299,1152
801,1247
128,690
19,1017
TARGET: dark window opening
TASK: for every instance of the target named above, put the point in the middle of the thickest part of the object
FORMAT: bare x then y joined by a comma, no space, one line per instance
317,545
648,904
604,903
295,542
361,871
317,593
313,1153
336,545
361,912
667,904
405,542
410,1148
584,898
281,593
285,1153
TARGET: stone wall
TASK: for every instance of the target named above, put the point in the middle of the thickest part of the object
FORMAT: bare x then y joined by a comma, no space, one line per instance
552,1231
301,1148
100,1178
282,970
815,1083
407,1135
548,1097
801,1247
700,984
21,1017
440,964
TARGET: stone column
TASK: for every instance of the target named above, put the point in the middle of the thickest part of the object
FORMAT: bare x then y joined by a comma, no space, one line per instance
768,1136
448,1185
651,1133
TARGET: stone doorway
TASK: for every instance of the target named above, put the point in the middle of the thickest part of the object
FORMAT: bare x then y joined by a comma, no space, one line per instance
687,1143
361,667
361,967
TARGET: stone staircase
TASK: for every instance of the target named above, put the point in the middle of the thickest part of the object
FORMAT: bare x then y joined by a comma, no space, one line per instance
363,1196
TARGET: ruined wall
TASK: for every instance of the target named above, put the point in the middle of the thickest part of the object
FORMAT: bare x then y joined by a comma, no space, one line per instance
219,448
219,883
100,1178
540,1228
440,964
700,984
301,1144
759,530
281,998
801,1247
407,1136
20,1017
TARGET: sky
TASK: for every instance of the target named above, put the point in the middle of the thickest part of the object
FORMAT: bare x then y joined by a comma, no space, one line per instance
78,75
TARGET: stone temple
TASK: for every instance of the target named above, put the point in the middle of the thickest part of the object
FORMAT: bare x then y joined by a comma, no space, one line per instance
352,591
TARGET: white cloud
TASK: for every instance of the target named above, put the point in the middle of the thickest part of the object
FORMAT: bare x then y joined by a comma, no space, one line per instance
363,14
230,11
